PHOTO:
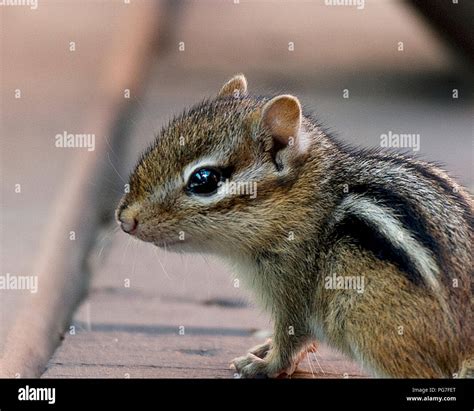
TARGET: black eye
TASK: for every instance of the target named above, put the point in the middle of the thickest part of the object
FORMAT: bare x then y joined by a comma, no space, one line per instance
204,181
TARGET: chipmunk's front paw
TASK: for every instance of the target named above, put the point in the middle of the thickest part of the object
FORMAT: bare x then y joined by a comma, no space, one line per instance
251,366
262,350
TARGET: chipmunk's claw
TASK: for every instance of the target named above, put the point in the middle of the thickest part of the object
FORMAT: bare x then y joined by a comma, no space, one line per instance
251,366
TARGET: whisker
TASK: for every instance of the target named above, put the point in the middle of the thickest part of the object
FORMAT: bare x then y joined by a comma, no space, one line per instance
110,162
108,187
125,251
134,258
111,149
316,358
103,240
162,266
310,364
147,116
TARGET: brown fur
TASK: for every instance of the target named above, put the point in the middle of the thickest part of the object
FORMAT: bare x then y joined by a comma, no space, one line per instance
285,241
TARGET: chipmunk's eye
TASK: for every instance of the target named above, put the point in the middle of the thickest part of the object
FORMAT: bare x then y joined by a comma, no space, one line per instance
204,181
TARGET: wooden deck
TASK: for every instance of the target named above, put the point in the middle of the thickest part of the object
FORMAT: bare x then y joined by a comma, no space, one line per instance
178,318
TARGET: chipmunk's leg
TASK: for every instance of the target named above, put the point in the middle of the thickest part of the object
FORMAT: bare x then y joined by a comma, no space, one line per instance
261,350
467,369
282,356
398,340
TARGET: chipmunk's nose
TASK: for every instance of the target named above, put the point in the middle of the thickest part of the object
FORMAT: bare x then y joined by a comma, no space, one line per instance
128,224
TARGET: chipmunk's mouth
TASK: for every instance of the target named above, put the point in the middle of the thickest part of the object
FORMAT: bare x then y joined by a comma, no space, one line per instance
160,239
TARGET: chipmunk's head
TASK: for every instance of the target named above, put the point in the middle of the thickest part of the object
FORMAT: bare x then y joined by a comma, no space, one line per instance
219,176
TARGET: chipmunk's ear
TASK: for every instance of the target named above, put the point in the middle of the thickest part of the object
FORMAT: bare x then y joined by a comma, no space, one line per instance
282,117
236,86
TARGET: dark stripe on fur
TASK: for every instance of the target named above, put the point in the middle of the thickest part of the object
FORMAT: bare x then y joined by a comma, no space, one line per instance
403,211
441,182
368,238
437,181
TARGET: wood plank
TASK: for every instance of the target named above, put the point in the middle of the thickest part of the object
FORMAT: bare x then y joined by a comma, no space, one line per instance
63,278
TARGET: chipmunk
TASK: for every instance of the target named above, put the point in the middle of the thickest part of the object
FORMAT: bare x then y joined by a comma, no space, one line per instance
322,211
